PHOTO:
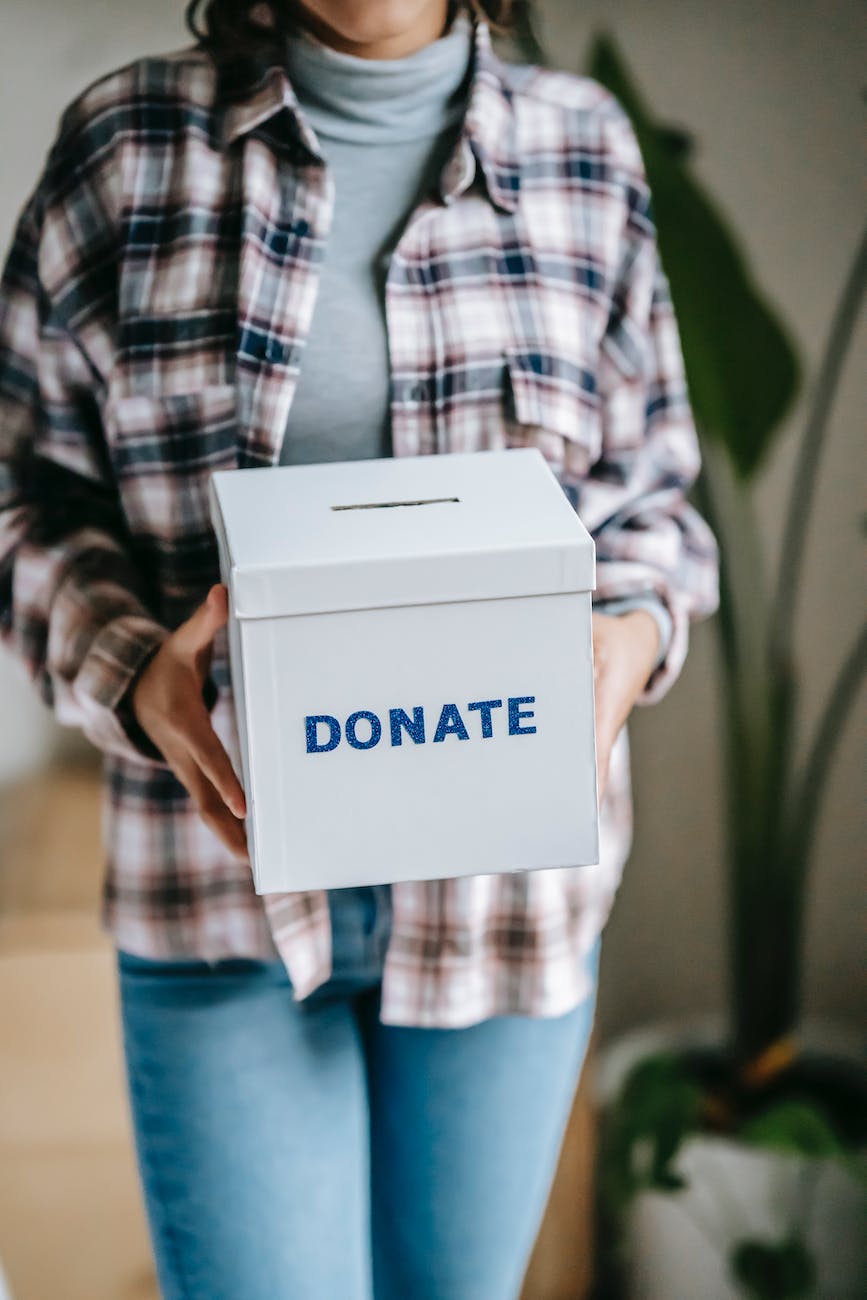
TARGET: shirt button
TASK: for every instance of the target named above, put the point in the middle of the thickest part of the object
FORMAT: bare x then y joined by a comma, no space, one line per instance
301,228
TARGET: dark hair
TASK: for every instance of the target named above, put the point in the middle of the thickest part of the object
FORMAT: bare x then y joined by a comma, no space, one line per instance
256,28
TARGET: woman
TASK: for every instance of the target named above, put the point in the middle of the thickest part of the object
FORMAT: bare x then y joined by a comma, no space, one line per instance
332,230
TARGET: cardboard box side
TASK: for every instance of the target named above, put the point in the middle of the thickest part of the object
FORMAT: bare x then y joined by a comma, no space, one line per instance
270,783
236,670
347,817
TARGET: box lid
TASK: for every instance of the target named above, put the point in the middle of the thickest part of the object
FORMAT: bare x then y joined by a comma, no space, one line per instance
401,531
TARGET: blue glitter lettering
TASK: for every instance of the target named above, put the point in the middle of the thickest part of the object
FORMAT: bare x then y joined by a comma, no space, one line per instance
484,707
312,722
414,727
450,724
516,714
375,729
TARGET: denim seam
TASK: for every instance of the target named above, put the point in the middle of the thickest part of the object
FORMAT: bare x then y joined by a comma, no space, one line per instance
167,1232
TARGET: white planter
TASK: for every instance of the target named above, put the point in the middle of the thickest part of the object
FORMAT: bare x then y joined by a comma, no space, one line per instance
679,1244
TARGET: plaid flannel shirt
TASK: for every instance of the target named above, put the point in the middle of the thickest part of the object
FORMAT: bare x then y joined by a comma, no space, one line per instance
153,313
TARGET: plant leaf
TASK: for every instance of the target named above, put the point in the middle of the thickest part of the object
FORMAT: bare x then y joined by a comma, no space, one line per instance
524,33
657,1108
782,1270
794,1128
798,1128
741,366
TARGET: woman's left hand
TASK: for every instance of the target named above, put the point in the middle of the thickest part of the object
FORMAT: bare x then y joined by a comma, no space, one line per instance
625,649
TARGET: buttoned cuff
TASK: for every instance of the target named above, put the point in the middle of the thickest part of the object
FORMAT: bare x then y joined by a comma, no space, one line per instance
103,686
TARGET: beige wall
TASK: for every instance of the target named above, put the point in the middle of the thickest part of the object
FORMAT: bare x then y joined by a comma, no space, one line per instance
772,93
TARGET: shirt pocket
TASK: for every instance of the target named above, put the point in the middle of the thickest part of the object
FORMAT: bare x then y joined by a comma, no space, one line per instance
164,449
551,402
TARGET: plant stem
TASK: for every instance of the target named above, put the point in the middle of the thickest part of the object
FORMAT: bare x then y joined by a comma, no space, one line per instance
804,481
775,825
796,851
757,922
818,763
814,779
782,677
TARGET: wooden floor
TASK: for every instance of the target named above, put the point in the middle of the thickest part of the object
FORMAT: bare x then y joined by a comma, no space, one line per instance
71,1220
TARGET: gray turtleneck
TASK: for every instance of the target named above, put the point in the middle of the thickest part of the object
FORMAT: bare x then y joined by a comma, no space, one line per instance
387,127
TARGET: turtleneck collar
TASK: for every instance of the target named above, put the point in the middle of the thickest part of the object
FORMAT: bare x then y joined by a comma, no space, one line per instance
347,97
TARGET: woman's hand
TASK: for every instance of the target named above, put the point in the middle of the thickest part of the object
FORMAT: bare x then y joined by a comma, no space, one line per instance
625,649
168,705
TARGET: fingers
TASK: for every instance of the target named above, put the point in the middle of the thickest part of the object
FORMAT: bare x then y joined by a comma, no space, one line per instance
169,707
195,636
603,759
602,763
211,806
179,724
207,752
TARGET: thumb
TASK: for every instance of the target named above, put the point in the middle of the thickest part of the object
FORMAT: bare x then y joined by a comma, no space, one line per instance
196,634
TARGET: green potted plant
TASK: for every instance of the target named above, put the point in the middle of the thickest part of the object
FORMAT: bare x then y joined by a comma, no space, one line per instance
756,1137
731,1164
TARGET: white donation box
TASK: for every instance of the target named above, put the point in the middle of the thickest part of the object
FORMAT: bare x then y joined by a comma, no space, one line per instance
411,660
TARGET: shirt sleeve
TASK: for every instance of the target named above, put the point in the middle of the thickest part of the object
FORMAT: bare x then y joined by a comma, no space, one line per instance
72,604
633,498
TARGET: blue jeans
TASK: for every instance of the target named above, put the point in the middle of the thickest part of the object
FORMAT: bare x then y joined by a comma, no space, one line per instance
305,1151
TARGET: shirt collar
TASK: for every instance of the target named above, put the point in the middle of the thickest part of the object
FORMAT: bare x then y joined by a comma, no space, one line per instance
250,96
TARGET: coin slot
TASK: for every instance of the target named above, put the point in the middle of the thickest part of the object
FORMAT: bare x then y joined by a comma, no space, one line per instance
392,505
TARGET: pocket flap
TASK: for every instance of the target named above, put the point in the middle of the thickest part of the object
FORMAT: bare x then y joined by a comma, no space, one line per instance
553,402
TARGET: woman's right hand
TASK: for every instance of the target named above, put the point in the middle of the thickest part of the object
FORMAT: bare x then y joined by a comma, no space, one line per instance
169,707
